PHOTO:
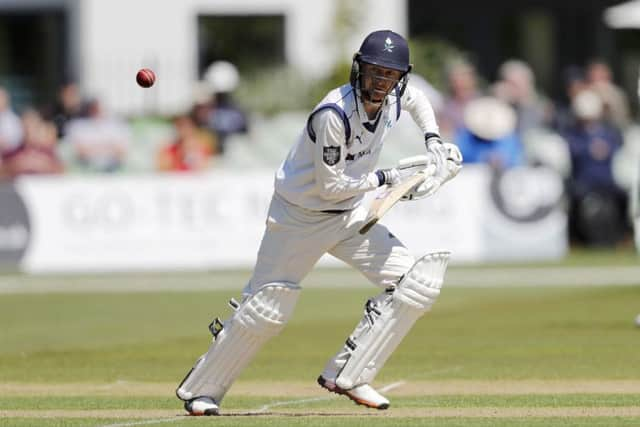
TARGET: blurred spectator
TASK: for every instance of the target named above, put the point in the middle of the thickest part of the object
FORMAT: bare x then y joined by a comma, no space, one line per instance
69,105
11,133
488,134
189,151
574,83
37,152
200,114
517,87
616,103
463,88
598,206
202,100
99,142
225,117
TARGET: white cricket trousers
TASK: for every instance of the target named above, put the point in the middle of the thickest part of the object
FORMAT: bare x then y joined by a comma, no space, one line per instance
295,238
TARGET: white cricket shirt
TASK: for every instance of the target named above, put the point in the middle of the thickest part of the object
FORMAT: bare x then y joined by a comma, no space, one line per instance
329,166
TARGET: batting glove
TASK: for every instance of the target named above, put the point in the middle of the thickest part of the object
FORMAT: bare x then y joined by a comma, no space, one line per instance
453,163
426,189
436,148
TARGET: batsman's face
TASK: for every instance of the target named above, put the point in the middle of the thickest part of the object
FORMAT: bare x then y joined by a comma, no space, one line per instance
377,82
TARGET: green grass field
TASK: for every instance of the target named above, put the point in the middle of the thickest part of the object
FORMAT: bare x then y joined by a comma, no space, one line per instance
485,356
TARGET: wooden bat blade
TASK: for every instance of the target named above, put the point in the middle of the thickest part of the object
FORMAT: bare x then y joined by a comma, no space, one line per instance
385,201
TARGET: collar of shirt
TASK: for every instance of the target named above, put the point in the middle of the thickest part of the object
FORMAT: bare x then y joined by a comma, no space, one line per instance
362,114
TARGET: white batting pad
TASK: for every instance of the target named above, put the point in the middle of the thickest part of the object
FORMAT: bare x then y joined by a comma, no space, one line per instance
260,317
387,320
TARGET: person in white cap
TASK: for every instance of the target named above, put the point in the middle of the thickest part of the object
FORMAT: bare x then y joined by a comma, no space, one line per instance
489,134
225,117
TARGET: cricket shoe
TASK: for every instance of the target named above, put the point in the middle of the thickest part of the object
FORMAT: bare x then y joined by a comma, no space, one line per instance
202,406
362,395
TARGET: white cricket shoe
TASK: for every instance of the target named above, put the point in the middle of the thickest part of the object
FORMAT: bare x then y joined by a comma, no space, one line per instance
362,395
202,406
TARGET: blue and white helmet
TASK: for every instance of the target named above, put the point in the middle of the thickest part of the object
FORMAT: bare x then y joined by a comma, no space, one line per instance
384,48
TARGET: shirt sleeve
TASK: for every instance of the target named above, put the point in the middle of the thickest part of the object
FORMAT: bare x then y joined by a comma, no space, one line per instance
416,103
330,164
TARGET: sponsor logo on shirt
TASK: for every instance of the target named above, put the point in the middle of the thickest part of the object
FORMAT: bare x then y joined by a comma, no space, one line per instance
352,157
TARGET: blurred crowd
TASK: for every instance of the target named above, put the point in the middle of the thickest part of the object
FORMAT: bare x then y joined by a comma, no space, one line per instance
97,141
508,123
505,123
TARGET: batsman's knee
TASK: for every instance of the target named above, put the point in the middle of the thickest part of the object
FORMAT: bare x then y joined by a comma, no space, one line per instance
266,312
420,286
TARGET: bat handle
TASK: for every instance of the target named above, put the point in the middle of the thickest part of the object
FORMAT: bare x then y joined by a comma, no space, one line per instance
368,226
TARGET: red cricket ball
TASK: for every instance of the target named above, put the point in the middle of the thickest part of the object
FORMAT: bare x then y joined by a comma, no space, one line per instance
145,77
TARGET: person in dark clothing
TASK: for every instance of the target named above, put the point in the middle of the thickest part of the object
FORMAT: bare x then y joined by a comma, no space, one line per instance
597,214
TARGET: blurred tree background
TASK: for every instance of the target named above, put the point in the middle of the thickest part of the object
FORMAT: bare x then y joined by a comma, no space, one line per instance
270,86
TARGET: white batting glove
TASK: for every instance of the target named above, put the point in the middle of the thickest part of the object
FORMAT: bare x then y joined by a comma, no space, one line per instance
428,187
445,170
453,164
447,157
437,149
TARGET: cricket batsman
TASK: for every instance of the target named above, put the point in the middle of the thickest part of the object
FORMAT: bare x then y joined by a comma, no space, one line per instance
316,209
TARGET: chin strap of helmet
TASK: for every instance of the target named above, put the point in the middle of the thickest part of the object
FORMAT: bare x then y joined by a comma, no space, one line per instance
404,80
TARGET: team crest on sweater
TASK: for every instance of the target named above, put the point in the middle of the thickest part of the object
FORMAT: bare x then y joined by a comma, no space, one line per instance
331,155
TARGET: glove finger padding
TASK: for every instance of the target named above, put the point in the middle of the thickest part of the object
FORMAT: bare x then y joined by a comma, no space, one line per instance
453,153
447,160
426,189
453,163
437,149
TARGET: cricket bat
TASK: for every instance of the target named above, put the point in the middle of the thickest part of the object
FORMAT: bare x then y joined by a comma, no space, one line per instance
388,198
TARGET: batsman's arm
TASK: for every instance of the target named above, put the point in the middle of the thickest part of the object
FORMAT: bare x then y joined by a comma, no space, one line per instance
330,163
416,103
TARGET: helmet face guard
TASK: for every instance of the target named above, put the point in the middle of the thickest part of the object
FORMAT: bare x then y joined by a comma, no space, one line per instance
376,83
384,49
